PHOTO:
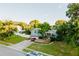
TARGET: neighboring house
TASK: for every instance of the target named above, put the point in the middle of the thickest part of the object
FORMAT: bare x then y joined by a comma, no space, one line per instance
35,33
49,33
20,32
19,28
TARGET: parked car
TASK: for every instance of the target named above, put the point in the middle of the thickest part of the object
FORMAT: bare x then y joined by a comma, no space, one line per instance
33,38
34,53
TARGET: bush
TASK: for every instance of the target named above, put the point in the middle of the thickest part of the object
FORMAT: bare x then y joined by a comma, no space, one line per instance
55,38
27,32
52,38
40,37
4,35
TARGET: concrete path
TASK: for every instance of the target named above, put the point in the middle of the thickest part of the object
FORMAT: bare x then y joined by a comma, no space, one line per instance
20,46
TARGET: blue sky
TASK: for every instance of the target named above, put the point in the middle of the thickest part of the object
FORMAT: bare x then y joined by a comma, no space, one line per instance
25,12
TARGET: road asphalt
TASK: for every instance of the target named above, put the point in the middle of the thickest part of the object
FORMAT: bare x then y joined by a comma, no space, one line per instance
5,51
14,50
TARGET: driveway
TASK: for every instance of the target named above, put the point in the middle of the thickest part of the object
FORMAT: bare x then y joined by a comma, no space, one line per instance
5,51
20,46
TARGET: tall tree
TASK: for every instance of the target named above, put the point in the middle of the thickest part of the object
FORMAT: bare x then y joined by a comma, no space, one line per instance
23,25
58,23
8,22
44,27
7,29
73,11
34,24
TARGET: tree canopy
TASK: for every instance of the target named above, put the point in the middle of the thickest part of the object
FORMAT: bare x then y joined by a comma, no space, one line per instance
34,24
73,11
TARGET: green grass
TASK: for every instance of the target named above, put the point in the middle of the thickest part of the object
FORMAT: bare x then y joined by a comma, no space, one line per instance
4,43
27,50
56,48
14,39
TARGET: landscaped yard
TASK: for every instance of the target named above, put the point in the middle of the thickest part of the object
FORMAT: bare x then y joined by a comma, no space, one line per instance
55,48
12,39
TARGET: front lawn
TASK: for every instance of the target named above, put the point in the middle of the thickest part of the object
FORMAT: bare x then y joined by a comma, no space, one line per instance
4,43
56,48
14,39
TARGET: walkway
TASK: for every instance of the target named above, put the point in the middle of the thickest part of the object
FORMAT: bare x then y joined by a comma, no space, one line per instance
20,46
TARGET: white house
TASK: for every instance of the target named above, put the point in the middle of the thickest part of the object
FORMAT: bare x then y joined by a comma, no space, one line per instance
19,28
19,32
35,33
49,33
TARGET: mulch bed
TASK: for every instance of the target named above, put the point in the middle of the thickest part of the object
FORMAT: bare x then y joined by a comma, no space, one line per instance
42,41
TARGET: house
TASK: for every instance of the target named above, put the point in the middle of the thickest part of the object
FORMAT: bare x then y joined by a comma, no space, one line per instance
35,33
19,28
49,33
20,32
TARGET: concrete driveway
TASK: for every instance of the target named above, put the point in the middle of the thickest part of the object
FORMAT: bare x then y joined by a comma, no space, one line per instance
5,51
20,46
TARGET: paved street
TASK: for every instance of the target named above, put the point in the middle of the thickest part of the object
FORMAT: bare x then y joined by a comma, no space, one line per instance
5,51
14,50
20,46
